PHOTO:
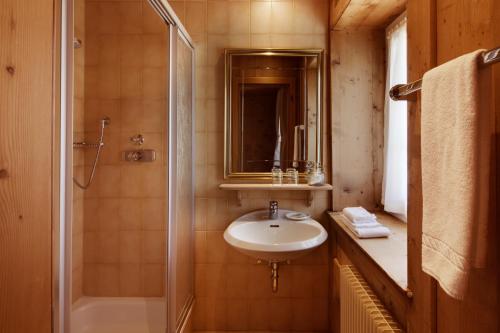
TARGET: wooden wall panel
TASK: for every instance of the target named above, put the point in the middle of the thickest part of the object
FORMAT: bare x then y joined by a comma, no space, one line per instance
463,26
358,85
366,14
26,127
421,57
438,31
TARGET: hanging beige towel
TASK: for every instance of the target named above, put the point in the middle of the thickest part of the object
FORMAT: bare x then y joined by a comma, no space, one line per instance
455,171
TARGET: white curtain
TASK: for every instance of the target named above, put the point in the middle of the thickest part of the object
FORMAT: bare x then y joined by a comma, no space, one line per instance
394,188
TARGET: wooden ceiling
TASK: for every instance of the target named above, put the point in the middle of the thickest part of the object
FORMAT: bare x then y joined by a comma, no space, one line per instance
365,14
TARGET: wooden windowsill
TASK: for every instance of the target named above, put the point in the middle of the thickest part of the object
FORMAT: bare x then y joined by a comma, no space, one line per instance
389,254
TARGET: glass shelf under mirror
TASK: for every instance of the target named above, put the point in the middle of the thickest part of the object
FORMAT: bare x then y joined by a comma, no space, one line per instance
273,187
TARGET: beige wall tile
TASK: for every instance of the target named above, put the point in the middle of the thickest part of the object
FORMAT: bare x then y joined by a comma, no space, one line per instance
201,211
108,180
130,247
216,314
216,247
200,247
130,17
130,280
77,252
109,50
155,83
154,115
108,22
90,279
237,281
219,16
196,17
77,283
131,82
259,314
153,214
108,214
237,314
130,214
153,247
153,277
155,49
239,17
108,280
260,16
108,245
132,50
281,314
282,17
108,83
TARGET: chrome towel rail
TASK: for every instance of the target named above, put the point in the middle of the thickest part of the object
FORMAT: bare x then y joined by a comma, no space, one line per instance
404,91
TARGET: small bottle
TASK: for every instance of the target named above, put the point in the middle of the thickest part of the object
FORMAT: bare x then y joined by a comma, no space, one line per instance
277,176
292,176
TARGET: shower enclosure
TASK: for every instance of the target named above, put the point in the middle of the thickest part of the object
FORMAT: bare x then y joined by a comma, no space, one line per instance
129,247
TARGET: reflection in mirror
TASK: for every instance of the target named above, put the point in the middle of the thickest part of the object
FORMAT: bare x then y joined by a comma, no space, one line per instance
272,110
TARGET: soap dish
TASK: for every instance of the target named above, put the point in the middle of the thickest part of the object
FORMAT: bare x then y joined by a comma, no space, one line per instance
297,216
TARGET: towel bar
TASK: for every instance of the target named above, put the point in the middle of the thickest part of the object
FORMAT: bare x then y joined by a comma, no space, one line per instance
404,91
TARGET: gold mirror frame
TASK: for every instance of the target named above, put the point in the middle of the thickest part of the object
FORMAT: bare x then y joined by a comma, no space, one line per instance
229,53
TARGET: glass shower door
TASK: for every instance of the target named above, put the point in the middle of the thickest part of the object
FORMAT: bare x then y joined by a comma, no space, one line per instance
181,181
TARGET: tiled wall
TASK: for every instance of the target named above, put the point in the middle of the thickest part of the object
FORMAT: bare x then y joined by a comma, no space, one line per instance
125,79
78,157
232,291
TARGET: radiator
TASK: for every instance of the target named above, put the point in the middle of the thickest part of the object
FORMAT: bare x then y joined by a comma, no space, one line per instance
360,309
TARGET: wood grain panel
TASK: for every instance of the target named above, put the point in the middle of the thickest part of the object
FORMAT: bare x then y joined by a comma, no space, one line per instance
421,57
26,118
439,31
464,26
356,14
358,86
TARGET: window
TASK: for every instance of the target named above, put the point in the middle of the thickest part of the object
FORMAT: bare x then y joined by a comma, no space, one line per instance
394,187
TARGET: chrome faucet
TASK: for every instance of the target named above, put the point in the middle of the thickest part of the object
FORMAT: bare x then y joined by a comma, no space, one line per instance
273,210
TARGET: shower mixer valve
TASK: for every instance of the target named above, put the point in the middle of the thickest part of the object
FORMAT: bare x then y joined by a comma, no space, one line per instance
140,155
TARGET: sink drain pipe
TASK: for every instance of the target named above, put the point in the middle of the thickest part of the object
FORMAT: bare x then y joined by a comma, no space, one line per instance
274,276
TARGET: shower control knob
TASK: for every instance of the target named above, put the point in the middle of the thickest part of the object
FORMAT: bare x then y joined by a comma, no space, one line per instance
137,139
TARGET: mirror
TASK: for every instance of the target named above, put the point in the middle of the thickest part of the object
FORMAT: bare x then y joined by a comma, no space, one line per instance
272,111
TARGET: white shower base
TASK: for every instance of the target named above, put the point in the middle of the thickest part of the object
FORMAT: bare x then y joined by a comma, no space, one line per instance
118,314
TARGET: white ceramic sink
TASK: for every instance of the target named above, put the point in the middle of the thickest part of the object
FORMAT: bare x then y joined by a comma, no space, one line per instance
274,240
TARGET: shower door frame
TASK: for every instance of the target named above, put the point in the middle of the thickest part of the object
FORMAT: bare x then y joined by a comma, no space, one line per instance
62,240
176,29
174,324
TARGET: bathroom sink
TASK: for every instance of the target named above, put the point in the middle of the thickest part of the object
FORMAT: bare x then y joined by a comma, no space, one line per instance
277,240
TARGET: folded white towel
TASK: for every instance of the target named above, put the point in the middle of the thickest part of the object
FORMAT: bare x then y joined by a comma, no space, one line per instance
373,224
358,215
375,232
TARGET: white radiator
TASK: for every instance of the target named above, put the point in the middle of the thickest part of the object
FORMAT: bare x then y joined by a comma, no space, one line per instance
360,309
